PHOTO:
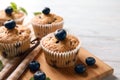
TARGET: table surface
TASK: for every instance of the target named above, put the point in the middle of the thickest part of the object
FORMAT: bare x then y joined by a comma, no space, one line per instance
96,22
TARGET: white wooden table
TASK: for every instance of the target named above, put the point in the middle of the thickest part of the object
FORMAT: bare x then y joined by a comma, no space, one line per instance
97,22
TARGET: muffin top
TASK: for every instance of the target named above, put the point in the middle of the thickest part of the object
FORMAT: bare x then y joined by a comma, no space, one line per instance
14,15
12,12
17,15
46,17
4,16
51,43
18,33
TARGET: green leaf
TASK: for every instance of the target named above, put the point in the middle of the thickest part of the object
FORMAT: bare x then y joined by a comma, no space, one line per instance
1,65
31,78
22,9
14,6
36,13
47,78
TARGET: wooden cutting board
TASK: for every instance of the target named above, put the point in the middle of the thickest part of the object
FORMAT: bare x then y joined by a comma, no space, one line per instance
96,72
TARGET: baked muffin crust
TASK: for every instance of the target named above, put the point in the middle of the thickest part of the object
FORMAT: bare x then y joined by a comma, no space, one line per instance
46,19
51,43
17,15
4,16
19,33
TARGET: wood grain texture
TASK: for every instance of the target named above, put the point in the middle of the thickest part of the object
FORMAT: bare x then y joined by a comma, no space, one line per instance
96,72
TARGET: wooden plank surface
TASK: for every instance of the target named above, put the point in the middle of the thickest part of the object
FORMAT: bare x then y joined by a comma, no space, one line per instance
96,72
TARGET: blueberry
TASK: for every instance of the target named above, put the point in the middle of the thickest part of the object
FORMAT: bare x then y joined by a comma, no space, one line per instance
80,68
60,34
46,11
10,24
9,10
34,66
90,61
39,76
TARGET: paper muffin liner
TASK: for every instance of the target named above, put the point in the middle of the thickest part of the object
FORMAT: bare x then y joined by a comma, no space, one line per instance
42,30
61,59
14,49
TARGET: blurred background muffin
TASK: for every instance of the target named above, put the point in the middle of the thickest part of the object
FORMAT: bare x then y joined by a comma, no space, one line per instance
45,22
12,12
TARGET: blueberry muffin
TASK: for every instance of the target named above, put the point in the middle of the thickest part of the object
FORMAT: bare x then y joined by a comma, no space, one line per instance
46,22
60,48
12,12
14,39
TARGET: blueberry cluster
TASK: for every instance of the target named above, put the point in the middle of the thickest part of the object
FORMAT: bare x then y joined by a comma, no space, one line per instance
34,66
80,68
